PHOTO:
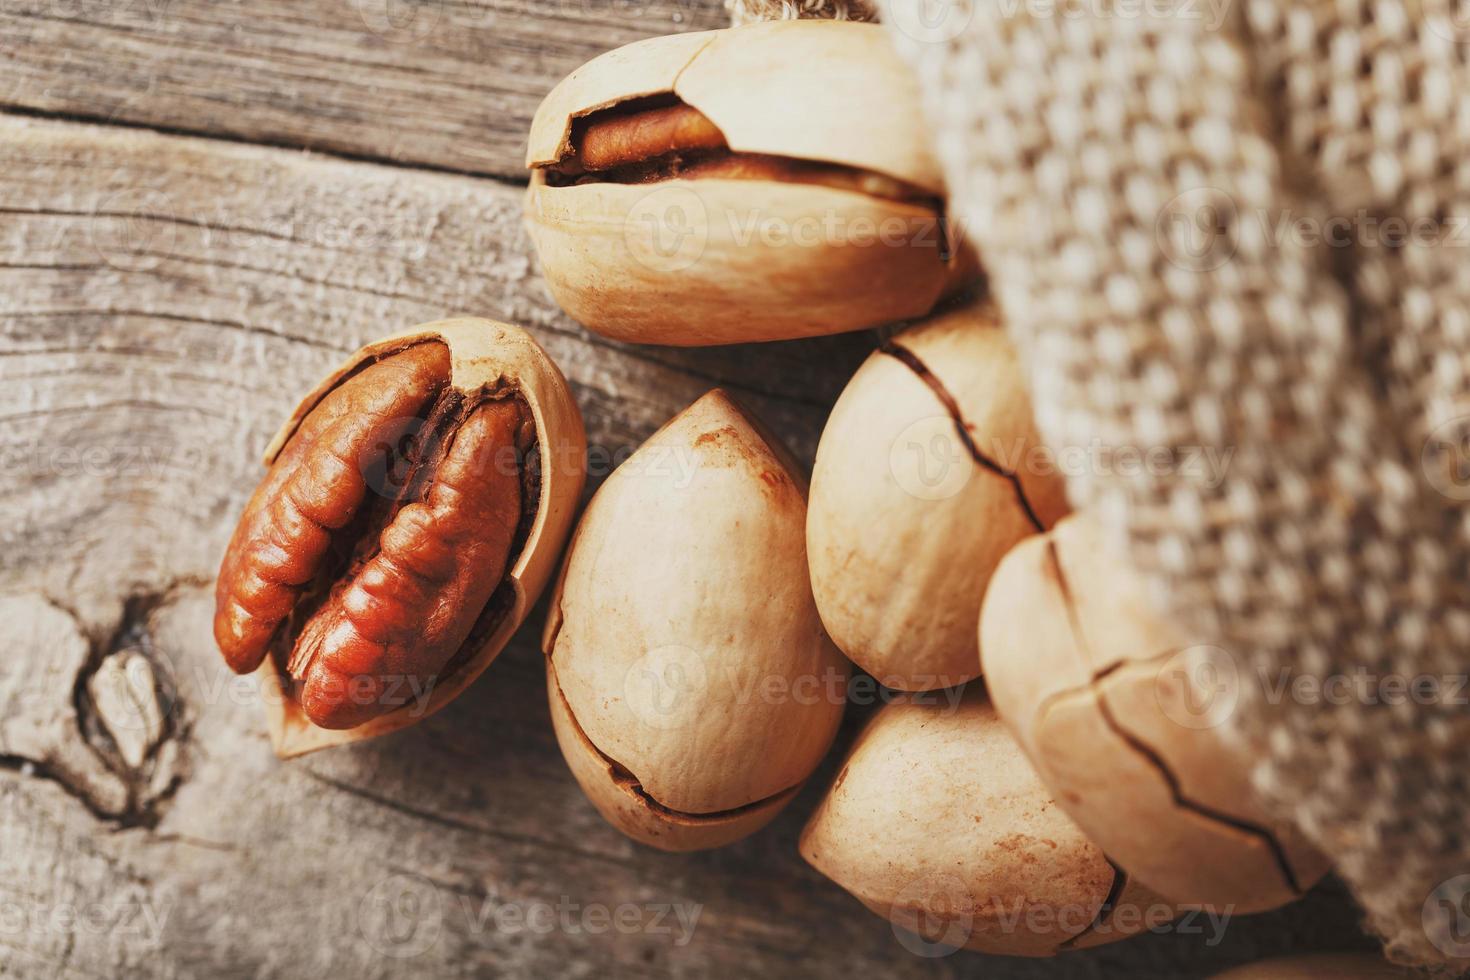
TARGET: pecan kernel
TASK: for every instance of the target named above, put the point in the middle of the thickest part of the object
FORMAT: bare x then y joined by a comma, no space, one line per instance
365,558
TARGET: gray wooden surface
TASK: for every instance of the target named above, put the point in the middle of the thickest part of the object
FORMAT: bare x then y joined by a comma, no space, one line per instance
173,274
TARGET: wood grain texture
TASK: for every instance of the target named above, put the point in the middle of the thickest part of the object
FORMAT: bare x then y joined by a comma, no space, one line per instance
163,302
166,301
444,83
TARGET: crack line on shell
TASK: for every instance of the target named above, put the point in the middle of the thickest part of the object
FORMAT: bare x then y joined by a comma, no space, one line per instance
626,778
1105,910
565,148
1142,748
693,57
913,362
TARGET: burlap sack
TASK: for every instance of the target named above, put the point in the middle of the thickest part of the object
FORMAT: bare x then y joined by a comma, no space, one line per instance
1245,227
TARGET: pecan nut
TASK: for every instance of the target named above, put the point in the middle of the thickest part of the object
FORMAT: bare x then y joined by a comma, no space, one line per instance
692,689
926,475
801,201
938,822
412,510
1117,707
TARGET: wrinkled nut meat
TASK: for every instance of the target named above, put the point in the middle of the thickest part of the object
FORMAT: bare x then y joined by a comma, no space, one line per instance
412,510
1119,710
937,822
397,594
925,477
692,688
760,183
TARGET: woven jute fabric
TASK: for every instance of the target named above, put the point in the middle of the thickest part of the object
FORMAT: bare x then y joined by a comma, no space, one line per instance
1246,226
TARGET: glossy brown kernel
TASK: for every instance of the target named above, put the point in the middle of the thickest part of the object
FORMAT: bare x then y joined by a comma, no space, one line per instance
625,138
367,555
678,141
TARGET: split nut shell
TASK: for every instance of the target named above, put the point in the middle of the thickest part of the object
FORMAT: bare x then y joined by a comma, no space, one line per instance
764,182
926,475
692,687
1120,712
413,510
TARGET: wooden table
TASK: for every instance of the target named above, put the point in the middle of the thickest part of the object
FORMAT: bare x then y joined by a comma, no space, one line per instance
174,272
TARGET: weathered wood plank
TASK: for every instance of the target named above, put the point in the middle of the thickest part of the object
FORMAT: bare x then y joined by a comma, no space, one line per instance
443,83
163,301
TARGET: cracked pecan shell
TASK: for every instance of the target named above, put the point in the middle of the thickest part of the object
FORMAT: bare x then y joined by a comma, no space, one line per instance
924,478
937,822
670,206
1124,726
412,510
692,687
